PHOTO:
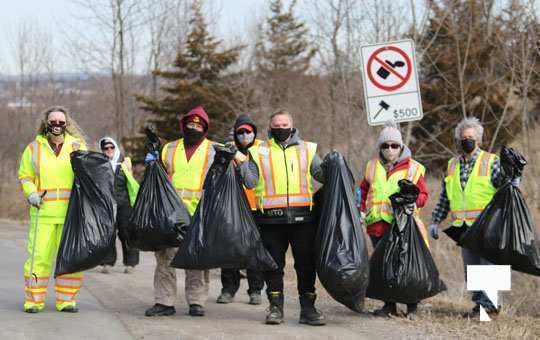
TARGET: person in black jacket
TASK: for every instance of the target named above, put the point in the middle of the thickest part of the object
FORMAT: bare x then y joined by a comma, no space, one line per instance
125,192
244,132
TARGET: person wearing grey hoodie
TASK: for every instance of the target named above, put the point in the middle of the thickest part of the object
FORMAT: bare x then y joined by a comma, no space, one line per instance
125,192
393,162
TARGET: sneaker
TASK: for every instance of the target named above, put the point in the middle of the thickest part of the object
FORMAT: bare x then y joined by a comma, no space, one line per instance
196,310
225,297
255,299
129,270
160,310
70,309
105,269
32,310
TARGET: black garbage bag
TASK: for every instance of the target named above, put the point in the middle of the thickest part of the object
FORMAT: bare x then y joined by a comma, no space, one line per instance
504,233
90,225
159,218
222,233
401,267
342,259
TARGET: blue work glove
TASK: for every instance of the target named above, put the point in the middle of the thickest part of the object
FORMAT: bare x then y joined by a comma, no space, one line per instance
434,231
516,181
35,200
152,156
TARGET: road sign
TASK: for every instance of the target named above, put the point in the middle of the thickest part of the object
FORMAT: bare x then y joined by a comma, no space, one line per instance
391,88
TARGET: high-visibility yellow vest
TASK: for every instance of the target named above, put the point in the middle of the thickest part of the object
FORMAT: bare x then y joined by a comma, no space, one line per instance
131,183
284,175
41,170
378,205
250,193
466,205
188,176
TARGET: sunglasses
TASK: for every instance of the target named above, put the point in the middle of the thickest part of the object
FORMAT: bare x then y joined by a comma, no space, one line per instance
388,146
57,123
242,132
108,148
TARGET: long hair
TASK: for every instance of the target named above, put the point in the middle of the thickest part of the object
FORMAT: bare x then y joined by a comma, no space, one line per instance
71,125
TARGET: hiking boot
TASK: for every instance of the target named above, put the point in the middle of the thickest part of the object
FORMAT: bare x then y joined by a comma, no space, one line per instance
225,297
196,310
255,299
32,310
129,270
412,311
309,315
70,309
388,309
274,315
160,310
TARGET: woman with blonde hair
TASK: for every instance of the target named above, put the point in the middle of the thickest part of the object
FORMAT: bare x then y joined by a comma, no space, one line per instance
46,178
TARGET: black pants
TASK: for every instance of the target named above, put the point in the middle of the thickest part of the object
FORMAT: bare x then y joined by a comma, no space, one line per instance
301,237
230,280
130,255
410,306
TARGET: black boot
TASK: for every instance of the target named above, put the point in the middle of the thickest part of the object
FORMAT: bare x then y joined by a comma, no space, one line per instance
308,313
275,311
160,310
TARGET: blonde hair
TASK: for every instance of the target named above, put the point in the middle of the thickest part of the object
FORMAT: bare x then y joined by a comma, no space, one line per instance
71,125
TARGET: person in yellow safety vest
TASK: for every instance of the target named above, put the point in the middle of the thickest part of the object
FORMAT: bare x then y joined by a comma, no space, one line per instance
125,194
46,178
245,133
186,161
284,196
393,163
470,183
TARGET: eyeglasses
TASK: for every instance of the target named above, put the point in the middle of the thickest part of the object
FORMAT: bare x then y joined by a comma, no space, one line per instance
108,148
57,122
388,146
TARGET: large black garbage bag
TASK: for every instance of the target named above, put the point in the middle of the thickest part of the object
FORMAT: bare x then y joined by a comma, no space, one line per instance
504,233
222,233
342,258
159,218
401,267
89,228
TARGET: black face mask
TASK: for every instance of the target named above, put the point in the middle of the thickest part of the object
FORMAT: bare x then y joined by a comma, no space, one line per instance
468,145
50,129
280,134
192,136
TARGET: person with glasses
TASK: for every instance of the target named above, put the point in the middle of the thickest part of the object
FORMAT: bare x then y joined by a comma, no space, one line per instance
244,133
125,193
46,178
471,180
392,163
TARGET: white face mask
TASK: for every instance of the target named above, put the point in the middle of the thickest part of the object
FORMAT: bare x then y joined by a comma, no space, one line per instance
391,155
246,138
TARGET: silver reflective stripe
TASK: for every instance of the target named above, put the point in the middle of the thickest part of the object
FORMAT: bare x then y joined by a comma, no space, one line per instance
25,180
412,170
303,155
187,194
53,194
39,282
68,283
267,170
211,154
36,297
272,201
169,156
452,166
484,164
65,296
35,152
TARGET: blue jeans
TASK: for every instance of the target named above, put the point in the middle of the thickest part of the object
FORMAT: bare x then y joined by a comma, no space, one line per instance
478,297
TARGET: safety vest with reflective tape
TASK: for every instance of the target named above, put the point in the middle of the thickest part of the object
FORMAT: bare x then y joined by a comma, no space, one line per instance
284,175
250,193
466,205
41,170
188,176
381,187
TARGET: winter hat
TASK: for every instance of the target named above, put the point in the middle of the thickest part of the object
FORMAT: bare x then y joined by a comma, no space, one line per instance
390,132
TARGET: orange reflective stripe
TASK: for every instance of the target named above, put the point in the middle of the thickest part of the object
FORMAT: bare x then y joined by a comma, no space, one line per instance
484,164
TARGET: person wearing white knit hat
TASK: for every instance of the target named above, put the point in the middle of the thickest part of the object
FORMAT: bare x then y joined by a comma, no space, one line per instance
392,163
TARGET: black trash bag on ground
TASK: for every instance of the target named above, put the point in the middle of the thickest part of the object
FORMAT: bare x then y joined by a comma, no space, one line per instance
159,218
222,233
342,259
504,233
90,225
401,267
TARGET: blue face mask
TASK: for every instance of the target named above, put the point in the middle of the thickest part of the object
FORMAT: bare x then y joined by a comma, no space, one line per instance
245,138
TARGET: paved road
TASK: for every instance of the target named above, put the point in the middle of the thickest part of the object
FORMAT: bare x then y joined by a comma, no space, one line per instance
112,307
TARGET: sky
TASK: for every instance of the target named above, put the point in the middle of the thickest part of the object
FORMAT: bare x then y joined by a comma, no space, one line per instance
53,15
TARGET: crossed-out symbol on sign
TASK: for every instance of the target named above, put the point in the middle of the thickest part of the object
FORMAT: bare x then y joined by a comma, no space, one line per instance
387,68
